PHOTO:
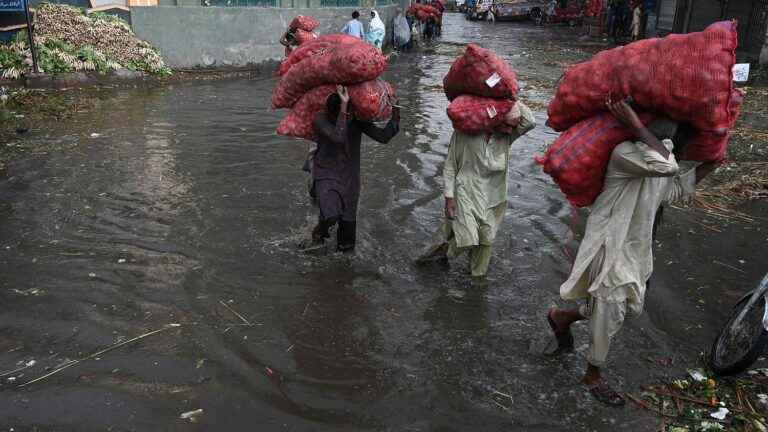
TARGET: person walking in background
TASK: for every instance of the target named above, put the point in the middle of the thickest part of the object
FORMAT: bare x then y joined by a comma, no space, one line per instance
475,182
354,27
615,258
430,28
415,29
551,9
289,41
437,4
637,14
402,32
618,19
376,31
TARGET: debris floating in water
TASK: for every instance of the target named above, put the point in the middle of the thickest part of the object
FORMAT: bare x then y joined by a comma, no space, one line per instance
191,415
95,355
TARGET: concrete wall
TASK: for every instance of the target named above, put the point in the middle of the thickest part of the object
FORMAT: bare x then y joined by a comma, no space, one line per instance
190,37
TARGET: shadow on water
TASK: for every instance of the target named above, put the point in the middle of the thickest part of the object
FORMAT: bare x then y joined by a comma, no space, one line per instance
179,204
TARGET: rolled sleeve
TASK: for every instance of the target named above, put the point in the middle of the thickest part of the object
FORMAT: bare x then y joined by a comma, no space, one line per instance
636,159
527,120
682,189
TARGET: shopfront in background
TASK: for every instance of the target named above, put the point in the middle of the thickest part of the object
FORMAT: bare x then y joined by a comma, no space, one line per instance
684,16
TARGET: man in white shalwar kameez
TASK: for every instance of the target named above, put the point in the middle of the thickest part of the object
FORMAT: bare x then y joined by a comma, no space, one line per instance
475,183
615,258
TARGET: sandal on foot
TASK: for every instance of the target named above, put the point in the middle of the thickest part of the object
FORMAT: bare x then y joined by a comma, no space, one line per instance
565,341
605,394
436,253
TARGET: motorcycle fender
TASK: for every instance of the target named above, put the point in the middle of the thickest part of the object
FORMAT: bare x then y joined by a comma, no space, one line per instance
765,314
763,289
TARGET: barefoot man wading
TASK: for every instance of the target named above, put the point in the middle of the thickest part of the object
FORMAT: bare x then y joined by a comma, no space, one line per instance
615,259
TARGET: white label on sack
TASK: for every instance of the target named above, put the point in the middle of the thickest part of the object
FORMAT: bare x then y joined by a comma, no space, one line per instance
741,72
493,80
491,110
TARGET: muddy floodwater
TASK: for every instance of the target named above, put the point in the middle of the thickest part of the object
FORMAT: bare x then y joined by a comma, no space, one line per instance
178,204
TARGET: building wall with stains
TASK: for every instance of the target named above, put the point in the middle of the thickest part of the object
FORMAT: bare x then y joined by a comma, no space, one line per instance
220,37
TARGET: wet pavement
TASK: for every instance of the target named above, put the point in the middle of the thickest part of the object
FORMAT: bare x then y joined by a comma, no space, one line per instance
178,204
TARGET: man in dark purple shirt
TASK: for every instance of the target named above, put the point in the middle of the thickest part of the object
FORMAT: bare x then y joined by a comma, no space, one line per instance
336,167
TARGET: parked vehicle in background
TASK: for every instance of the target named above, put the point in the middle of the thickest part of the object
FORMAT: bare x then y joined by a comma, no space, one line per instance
478,9
507,10
468,7
571,14
461,5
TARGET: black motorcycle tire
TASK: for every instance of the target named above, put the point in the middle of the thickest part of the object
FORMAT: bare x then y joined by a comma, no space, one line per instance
759,344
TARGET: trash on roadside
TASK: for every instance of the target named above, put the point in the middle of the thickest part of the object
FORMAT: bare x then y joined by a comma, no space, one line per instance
708,426
697,375
759,425
191,415
720,413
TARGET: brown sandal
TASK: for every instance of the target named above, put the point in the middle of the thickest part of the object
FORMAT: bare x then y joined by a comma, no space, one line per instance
605,394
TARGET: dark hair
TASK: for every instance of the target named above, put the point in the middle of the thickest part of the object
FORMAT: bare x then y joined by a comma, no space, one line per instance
663,128
333,105
372,14
683,136
355,14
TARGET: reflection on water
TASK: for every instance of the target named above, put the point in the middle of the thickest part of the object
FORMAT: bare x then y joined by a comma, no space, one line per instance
184,207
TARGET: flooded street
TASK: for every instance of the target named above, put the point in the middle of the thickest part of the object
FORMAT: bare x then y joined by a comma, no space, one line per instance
179,204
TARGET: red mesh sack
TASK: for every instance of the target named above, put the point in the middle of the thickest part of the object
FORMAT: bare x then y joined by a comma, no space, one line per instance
480,72
685,77
315,46
578,159
303,22
372,100
343,64
298,122
594,8
303,36
474,114
711,146
424,12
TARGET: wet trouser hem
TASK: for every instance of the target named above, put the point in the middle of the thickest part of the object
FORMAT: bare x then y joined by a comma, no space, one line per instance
346,233
479,256
605,320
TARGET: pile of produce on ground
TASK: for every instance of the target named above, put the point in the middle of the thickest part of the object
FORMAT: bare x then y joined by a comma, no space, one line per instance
311,73
687,78
424,12
482,89
67,41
